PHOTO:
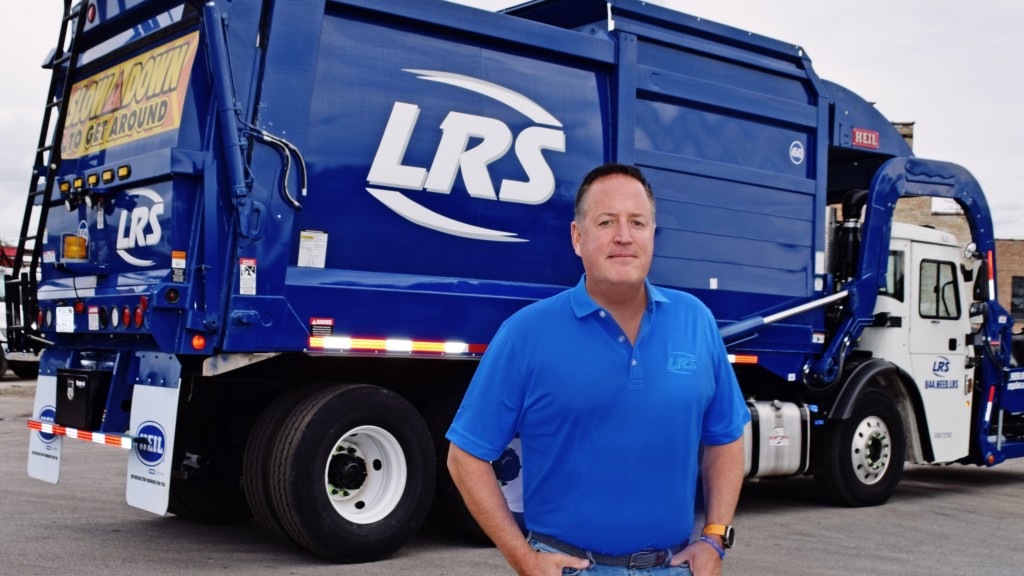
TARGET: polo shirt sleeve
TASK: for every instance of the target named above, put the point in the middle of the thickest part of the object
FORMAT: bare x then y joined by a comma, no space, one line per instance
489,415
727,413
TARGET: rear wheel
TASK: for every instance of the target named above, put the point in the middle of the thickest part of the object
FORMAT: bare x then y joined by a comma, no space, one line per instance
449,510
24,370
352,473
865,453
256,476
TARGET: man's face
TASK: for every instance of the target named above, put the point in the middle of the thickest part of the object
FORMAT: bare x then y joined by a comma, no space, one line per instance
615,238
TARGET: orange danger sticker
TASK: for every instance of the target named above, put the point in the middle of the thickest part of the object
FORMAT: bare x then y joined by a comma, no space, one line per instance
137,98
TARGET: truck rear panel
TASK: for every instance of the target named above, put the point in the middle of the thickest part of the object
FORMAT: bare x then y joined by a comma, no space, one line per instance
443,147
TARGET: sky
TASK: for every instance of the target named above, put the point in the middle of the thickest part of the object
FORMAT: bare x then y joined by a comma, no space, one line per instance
952,67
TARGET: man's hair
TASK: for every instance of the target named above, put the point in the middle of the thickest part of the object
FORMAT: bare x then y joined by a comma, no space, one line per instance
608,170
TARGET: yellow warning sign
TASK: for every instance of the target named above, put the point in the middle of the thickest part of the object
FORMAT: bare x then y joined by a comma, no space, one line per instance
134,99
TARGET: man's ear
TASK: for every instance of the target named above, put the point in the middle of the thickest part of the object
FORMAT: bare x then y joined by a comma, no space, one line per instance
576,236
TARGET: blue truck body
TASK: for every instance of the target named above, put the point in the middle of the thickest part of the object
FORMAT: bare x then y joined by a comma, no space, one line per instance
251,196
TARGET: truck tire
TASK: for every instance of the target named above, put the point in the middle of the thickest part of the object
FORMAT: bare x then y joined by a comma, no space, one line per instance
449,510
352,473
864,456
24,370
256,480
3,364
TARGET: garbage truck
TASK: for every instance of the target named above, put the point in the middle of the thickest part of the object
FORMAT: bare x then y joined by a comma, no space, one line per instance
266,243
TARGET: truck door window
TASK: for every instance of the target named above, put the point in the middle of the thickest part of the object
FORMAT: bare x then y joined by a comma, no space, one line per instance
940,296
893,277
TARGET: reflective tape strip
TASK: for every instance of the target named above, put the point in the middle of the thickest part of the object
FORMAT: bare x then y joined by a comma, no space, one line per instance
988,409
990,258
94,437
395,345
742,359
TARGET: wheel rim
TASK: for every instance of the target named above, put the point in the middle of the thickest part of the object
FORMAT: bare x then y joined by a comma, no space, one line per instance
365,474
871,451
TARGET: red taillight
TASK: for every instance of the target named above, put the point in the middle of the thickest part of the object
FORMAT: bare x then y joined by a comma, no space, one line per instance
138,316
39,321
144,303
91,14
79,307
126,316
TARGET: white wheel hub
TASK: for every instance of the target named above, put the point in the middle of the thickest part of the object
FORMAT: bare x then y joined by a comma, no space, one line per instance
871,451
365,474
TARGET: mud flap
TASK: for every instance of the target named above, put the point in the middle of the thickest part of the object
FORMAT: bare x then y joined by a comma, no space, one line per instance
44,449
153,420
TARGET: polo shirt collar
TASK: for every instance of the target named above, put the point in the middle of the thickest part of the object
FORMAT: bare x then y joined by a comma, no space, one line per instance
583,304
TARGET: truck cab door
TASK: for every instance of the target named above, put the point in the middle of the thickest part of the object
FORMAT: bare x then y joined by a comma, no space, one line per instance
938,327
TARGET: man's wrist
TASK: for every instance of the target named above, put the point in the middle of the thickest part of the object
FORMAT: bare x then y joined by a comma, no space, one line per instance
710,541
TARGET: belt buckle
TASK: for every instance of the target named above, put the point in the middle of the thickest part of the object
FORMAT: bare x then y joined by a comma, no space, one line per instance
645,559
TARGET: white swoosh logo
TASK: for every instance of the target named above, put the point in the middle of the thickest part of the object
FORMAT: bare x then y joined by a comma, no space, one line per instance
510,98
418,214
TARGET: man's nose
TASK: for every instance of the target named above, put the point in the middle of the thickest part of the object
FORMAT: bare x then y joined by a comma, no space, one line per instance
623,233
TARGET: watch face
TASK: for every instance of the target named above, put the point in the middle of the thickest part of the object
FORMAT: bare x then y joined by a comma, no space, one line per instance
729,538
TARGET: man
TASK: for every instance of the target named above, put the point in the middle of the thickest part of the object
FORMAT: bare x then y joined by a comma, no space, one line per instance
614,387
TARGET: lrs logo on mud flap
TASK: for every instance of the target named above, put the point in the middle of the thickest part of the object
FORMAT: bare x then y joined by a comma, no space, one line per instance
493,139
139,226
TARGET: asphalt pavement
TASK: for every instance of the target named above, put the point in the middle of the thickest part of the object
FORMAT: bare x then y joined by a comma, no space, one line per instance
949,520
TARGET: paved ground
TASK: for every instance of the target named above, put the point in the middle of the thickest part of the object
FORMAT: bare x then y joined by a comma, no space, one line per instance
953,520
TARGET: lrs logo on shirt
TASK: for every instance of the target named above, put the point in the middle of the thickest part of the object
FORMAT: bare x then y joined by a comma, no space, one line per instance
682,363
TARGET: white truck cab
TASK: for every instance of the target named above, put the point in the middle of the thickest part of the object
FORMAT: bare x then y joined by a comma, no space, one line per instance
923,323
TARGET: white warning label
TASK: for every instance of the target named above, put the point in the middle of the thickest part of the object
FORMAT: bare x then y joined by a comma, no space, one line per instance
247,276
312,248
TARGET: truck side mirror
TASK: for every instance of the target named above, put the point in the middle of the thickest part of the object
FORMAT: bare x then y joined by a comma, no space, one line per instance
971,252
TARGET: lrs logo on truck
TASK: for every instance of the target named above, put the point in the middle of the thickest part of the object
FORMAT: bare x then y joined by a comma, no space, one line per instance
495,140
140,226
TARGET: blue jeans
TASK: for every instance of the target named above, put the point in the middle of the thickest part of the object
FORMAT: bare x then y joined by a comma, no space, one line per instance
605,570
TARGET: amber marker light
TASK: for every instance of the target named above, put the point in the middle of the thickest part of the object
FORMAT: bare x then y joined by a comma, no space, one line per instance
198,342
76,247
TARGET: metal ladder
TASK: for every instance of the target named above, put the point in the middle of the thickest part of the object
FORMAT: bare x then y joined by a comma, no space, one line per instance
21,301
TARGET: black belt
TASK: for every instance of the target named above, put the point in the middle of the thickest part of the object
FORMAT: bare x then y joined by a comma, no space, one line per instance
641,560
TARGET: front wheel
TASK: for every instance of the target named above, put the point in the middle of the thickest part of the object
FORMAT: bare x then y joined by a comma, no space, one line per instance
352,473
865,453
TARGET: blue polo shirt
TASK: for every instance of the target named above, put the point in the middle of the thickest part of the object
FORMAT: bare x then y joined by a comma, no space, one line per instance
610,431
